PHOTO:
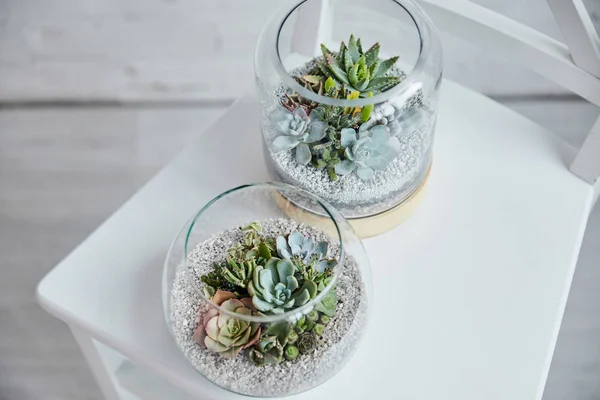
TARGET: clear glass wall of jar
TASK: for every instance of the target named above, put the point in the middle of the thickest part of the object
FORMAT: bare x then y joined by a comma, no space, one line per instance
255,326
365,144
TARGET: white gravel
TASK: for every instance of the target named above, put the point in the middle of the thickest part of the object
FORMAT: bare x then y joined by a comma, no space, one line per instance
240,374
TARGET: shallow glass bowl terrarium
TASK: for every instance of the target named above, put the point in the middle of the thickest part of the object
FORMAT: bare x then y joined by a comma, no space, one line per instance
348,92
261,304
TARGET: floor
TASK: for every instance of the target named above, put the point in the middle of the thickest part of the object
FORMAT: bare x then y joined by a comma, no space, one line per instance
64,169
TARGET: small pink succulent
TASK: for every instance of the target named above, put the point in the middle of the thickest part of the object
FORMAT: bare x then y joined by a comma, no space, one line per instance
224,334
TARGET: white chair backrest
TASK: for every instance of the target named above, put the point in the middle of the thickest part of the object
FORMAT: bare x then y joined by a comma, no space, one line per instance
574,65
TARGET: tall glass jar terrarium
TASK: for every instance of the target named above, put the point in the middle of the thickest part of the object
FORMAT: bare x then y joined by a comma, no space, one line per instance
349,94
261,304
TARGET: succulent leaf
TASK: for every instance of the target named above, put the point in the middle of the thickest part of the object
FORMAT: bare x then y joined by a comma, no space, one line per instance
314,79
366,111
329,84
303,155
341,53
325,70
359,45
326,52
372,55
328,303
332,175
353,49
385,66
340,74
365,173
353,75
348,63
379,83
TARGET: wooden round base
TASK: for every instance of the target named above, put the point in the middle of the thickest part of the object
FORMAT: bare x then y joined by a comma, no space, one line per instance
364,227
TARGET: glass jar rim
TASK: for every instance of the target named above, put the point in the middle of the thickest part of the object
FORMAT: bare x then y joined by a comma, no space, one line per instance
335,216
406,88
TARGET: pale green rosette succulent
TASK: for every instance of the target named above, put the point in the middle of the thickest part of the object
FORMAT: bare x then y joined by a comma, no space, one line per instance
297,131
225,334
369,151
274,288
297,246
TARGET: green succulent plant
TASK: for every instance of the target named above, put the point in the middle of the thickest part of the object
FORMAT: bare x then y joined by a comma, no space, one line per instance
307,342
335,117
316,320
268,351
313,315
318,329
292,337
270,348
298,247
304,325
357,70
225,334
291,352
213,281
274,288
297,131
313,83
236,271
294,100
328,304
232,275
255,245
369,151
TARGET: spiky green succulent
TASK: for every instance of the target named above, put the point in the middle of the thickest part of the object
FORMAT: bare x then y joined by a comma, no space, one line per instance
254,245
274,288
236,271
233,275
359,71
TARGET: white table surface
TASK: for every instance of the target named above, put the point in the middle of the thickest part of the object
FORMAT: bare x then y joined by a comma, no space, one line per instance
470,291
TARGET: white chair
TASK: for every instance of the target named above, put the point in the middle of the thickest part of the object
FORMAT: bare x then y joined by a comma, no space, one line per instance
479,277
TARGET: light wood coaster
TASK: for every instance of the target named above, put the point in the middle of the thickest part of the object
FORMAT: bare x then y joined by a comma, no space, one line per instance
365,227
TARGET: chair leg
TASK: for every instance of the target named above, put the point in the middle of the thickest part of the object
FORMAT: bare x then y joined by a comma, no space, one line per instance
587,162
103,376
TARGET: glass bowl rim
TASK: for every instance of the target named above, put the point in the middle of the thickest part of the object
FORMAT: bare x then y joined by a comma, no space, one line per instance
334,215
406,88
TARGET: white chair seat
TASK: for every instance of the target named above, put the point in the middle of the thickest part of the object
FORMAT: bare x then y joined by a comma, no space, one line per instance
470,290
